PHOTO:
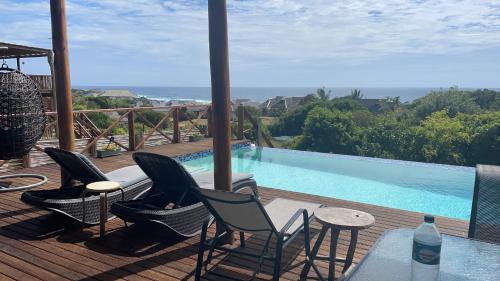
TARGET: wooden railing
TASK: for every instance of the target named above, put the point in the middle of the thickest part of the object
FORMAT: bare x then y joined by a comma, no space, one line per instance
90,137
44,82
85,128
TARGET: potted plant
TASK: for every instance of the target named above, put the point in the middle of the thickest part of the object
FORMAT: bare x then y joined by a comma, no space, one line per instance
108,150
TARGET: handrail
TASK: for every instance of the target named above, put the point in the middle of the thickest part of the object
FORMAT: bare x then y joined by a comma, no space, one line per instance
51,113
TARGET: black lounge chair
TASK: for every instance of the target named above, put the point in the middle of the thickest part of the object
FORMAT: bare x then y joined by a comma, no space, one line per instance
485,214
170,202
67,199
281,218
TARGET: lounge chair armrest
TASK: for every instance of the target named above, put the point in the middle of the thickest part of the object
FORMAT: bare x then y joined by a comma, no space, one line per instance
291,221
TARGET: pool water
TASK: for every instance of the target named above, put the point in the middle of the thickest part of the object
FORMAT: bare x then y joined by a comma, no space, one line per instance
442,190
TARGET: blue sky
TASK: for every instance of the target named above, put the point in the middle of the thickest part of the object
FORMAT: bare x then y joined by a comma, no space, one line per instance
282,43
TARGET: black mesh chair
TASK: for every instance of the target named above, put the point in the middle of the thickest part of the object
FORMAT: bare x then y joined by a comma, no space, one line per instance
170,202
485,214
281,218
80,171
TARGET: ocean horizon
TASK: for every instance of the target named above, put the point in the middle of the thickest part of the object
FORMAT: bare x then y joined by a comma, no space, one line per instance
261,94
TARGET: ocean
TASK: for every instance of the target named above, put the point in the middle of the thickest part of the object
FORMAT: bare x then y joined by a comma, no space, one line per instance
261,94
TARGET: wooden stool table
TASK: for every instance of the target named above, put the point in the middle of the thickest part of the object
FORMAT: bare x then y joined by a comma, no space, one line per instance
103,188
335,220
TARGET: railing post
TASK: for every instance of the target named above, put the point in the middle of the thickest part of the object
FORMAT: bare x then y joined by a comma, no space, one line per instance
177,132
131,130
209,121
241,121
259,131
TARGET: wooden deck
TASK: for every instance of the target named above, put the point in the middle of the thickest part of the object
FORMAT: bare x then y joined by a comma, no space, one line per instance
34,245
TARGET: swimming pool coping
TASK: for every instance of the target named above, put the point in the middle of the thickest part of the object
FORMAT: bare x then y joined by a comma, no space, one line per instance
208,152
248,144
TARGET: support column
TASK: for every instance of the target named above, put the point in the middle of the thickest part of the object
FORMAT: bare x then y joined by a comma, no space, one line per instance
62,76
18,62
221,100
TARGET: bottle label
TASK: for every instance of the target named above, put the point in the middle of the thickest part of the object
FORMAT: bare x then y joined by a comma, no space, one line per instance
426,254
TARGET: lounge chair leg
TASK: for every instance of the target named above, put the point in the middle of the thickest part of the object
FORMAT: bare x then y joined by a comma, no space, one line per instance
201,251
307,241
242,239
277,258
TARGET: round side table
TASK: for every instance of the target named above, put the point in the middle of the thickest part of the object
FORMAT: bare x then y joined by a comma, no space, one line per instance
335,220
103,188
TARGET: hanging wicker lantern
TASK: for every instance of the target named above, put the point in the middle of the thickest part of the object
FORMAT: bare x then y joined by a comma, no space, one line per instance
22,116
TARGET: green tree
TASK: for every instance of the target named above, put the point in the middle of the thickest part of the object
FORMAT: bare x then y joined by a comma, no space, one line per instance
442,139
453,99
356,94
484,147
323,94
328,131
388,138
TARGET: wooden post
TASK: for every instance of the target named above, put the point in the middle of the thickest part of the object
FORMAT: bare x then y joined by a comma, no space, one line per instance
221,99
241,121
131,131
61,71
259,131
18,61
177,132
209,121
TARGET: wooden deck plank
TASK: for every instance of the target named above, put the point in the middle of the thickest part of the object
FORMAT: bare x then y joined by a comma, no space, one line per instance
36,246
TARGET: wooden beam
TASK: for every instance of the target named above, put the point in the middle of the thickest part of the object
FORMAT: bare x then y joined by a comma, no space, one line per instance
131,131
221,107
63,80
158,130
62,74
177,132
155,128
221,97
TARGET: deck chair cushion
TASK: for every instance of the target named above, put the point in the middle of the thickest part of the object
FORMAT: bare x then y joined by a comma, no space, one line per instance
206,179
127,175
280,211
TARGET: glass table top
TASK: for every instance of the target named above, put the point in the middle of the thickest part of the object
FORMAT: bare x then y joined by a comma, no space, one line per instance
461,259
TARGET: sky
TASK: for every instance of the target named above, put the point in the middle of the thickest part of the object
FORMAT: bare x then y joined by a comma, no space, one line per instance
273,43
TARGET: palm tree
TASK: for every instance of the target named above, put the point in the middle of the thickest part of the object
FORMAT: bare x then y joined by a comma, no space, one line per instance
323,94
356,94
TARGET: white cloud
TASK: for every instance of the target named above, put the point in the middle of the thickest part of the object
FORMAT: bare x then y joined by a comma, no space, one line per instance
263,31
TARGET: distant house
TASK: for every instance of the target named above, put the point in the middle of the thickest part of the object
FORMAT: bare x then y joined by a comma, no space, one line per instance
280,103
114,94
245,102
375,105
119,94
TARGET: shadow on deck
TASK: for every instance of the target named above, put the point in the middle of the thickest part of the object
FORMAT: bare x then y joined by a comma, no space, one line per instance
35,245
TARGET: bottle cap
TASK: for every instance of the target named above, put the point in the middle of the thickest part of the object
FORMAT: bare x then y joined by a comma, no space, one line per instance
429,218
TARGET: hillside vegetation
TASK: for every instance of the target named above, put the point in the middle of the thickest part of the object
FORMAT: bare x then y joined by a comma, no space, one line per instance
451,126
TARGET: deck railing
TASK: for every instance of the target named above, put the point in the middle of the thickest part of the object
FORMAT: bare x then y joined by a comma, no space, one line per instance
182,123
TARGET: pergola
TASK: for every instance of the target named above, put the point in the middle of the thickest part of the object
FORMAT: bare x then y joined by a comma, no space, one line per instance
219,68
18,52
12,51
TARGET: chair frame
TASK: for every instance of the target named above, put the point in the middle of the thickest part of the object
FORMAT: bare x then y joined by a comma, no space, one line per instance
224,230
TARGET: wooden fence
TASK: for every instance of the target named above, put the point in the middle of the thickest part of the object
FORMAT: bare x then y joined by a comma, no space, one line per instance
89,137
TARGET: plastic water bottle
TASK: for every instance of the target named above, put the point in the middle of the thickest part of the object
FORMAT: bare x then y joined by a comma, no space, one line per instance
426,251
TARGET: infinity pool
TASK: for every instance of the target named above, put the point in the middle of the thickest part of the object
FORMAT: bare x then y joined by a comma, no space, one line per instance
428,188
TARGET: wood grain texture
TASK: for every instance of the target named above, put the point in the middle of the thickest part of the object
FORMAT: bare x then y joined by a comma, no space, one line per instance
37,246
